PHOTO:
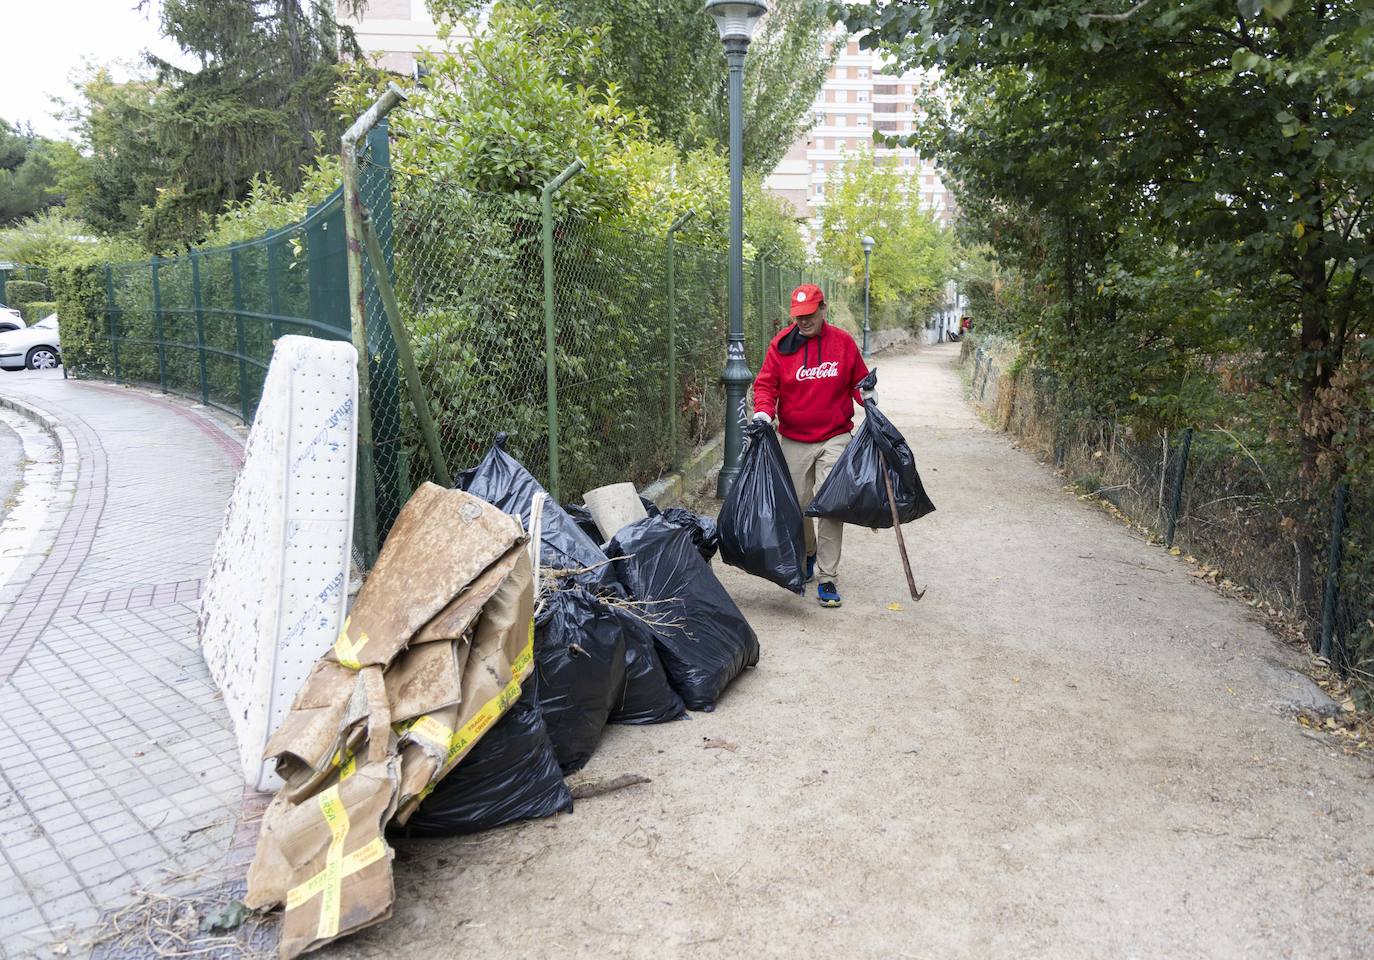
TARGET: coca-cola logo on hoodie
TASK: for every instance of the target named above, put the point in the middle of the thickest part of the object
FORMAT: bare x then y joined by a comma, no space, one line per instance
822,371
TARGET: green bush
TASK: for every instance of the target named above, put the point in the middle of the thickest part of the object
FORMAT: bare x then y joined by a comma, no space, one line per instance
36,310
79,288
20,292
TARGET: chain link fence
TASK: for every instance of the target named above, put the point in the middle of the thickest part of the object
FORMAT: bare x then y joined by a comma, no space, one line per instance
638,327
1236,507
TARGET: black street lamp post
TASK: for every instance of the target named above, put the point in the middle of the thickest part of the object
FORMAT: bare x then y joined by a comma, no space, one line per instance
736,20
867,241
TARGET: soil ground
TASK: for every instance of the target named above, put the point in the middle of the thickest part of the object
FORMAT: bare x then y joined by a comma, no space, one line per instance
1070,748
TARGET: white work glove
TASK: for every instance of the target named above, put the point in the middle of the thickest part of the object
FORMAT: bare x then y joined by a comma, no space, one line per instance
767,420
870,394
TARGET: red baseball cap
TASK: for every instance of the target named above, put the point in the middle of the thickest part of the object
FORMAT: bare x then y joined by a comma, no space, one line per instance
806,300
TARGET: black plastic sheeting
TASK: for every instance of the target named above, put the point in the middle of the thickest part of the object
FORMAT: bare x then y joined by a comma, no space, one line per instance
761,520
711,643
583,518
502,481
648,697
511,774
855,493
705,532
579,654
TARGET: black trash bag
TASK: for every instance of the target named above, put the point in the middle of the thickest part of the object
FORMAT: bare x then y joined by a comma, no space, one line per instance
583,518
761,520
650,507
648,698
579,654
504,483
855,492
705,532
709,642
511,774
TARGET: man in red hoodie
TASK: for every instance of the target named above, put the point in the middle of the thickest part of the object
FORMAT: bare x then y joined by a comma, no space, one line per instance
807,384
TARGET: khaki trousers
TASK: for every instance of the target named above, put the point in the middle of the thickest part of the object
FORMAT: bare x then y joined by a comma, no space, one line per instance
809,464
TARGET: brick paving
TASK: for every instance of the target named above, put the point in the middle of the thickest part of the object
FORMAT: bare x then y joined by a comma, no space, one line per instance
116,756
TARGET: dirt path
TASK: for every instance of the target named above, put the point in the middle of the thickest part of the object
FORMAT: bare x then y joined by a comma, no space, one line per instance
1069,749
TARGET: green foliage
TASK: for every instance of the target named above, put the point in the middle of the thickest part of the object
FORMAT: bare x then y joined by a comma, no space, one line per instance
666,61
269,207
79,288
912,254
28,174
1184,193
36,310
54,236
20,292
165,154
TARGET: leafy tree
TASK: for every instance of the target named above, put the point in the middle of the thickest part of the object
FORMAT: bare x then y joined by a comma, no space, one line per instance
119,172
665,59
168,152
28,174
912,254
1132,158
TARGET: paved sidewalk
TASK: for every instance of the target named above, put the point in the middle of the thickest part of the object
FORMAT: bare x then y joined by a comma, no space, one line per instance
113,738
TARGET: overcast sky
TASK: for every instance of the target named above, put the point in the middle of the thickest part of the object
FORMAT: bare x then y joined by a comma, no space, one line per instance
44,42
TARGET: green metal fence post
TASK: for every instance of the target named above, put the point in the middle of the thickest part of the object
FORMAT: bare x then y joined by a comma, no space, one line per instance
672,337
200,327
357,297
240,341
110,311
550,341
403,352
158,334
274,279
1333,570
1182,461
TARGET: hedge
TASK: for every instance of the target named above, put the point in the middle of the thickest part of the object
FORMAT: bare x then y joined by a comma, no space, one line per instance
79,289
20,292
36,310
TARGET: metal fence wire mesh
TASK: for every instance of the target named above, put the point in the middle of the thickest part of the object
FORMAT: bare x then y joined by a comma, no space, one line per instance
203,325
635,393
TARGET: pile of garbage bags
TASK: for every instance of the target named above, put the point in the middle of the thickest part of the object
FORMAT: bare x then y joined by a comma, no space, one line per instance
494,640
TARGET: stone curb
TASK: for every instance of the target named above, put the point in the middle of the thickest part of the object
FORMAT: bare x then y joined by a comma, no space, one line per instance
44,539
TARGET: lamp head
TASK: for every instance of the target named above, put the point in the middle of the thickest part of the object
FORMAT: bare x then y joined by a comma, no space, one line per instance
867,241
736,19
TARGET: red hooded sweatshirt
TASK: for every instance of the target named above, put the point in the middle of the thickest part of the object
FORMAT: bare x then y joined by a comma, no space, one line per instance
808,384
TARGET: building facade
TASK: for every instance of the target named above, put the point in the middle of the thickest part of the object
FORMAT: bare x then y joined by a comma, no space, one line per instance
857,100
392,32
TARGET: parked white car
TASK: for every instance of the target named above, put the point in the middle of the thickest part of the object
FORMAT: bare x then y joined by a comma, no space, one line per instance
36,347
10,319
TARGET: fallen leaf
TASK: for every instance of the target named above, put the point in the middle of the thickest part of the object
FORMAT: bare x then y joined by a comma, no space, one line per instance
1348,706
894,606
719,745
1175,551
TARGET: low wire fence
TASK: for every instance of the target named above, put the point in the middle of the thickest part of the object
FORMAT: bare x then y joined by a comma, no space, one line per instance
1238,508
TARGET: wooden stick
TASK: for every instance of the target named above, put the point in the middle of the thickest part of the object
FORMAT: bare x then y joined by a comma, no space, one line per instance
897,528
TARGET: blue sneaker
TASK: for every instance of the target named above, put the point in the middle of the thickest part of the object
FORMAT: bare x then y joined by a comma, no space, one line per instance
827,595
811,568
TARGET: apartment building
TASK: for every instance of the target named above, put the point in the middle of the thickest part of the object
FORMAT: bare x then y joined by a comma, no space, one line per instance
392,32
857,100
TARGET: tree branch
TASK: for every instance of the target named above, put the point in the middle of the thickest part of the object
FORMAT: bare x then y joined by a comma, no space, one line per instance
1120,17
